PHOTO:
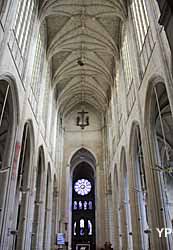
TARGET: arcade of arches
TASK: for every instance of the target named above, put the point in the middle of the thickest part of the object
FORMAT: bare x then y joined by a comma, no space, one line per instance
86,125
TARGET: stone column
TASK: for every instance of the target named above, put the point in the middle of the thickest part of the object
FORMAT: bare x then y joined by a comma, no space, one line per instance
100,201
115,211
111,218
136,220
155,202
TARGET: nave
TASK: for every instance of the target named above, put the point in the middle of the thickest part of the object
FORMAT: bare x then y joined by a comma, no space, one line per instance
86,125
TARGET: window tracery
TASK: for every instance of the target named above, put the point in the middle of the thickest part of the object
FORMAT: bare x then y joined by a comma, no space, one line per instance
82,187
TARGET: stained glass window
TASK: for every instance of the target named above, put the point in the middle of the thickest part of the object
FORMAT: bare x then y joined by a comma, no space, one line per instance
85,205
82,187
75,205
83,218
75,228
90,205
80,204
82,227
82,223
89,227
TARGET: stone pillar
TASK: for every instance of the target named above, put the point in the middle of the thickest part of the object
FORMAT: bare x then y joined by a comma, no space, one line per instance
100,201
135,216
123,235
155,202
111,218
68,212
115,218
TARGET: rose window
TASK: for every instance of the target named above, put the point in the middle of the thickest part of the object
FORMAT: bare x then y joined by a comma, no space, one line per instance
82,187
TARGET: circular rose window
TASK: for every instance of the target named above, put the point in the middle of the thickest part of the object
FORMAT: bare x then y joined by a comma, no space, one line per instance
82,187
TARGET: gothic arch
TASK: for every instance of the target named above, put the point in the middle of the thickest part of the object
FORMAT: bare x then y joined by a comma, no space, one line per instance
140,192
9,119
78,157
151,108
10,79
32,135
159,124
82,222
9,115
23,186
42,155
134,125
154,80
158,115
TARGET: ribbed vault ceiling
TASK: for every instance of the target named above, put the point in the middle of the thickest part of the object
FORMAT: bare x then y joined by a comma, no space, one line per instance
83,46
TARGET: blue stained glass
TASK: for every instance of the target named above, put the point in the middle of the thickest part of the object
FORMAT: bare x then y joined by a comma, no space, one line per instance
75,205
90,205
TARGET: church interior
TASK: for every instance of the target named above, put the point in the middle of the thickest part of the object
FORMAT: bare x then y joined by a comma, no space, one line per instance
86,124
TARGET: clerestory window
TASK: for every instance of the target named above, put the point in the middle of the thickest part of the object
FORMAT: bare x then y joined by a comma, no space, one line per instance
141,21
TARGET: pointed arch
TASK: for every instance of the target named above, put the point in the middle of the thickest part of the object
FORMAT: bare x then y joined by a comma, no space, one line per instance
139,182
23,185
82,191
79,155
159,124
9,120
